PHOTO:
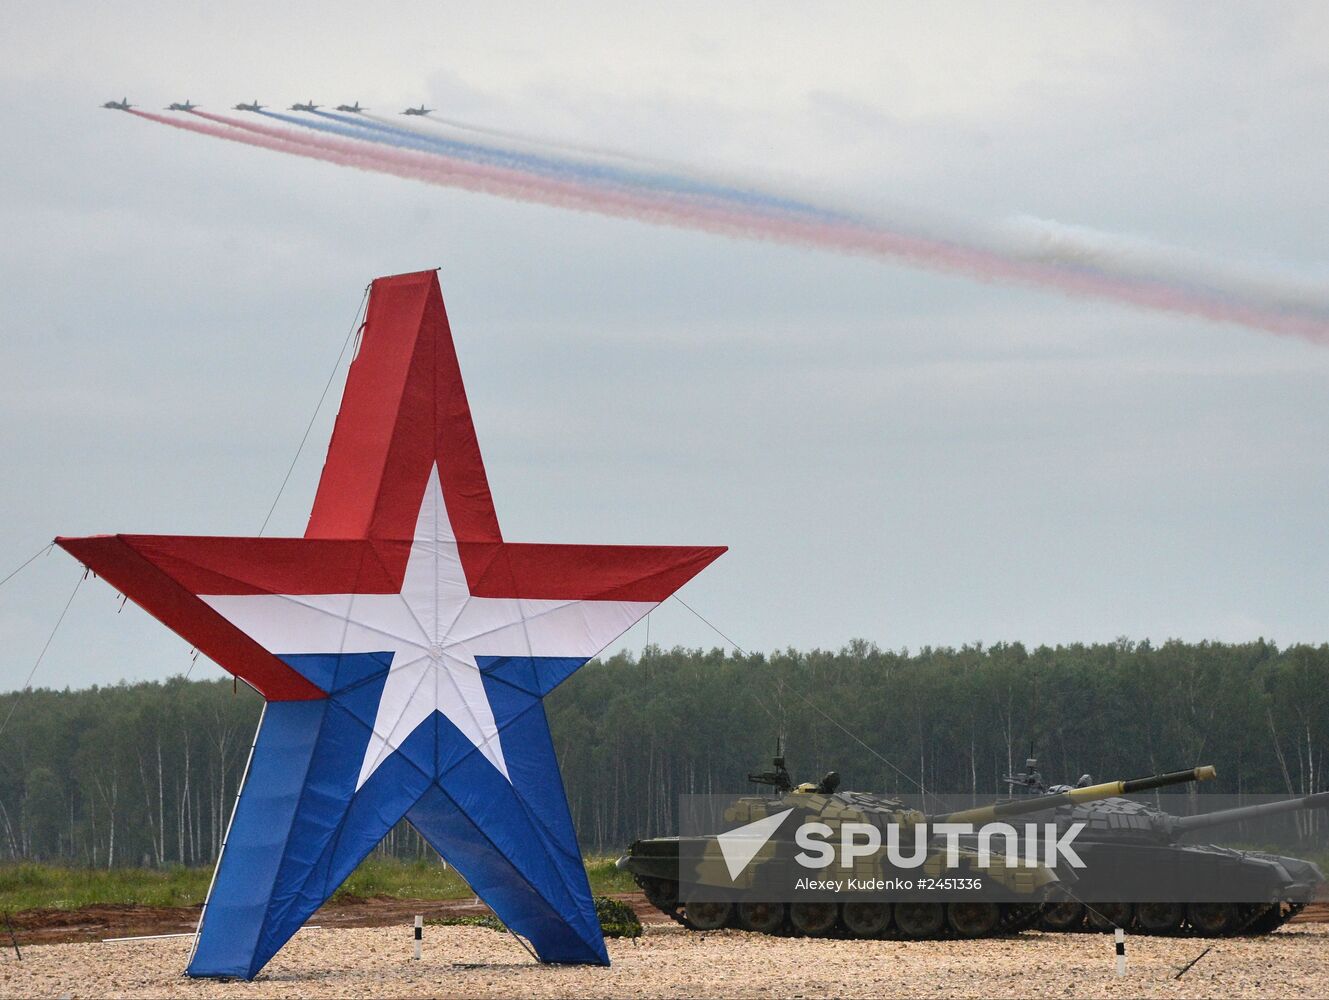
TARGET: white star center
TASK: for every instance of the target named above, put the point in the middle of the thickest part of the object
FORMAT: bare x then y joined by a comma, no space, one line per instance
434,629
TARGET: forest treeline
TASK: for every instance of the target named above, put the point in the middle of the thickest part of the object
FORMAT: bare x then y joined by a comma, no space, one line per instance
146,774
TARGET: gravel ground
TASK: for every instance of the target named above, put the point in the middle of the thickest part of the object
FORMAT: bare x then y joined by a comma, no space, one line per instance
670,962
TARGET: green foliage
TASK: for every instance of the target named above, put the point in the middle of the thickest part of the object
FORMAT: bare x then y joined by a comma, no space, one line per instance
379,876
30,886
27,886
606,877
635,734
617,918
145,775
43,810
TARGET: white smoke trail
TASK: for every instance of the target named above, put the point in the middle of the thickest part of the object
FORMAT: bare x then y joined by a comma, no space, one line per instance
1076,261
1022,237
1058,242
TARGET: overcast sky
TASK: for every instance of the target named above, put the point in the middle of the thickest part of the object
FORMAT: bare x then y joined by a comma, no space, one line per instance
890,454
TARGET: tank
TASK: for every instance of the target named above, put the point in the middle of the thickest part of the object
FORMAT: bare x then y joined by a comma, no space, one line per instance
655,863
1127,844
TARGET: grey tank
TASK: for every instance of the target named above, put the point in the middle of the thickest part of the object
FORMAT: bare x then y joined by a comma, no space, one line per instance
1127,843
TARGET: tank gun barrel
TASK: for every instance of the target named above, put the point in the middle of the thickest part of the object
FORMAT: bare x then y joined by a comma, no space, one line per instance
1186,824
1074,796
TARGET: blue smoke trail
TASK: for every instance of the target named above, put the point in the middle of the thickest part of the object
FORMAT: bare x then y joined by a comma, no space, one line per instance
603,175
583,171
561,168
1075,262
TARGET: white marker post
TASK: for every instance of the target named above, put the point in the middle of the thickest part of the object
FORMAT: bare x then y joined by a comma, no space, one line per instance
1120,936
420,935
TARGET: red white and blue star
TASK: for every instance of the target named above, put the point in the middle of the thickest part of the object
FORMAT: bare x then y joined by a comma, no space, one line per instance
403,648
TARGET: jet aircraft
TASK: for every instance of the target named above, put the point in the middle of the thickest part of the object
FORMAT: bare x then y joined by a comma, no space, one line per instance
252,106
177,106
120,105
421,110
309,105
354,109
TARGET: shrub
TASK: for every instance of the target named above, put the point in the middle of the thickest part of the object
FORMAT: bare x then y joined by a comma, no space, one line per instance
617,918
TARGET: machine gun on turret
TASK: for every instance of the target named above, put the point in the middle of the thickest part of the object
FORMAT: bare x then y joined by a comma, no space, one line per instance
778,778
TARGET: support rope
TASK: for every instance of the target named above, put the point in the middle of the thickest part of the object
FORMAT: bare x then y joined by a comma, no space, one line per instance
40,656
356,325
27,562
812,705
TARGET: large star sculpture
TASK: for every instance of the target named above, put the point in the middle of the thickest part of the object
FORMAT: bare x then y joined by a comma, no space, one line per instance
403,649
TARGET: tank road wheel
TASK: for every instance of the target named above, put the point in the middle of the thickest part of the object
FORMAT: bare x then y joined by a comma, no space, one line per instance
1016,917
1270,916
1063,915
866,920
813,919
708,916
1211,919
764,918
1106,916
919,920
662,893
1159,918
973,919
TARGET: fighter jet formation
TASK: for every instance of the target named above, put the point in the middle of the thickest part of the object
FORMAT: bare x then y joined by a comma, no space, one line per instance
528,168
187,105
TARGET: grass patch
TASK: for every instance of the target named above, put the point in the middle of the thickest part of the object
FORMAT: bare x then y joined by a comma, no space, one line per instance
28,886
606,878
403,880
32,886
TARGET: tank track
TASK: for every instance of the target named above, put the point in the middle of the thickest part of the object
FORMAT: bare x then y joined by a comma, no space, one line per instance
1253,920
663,895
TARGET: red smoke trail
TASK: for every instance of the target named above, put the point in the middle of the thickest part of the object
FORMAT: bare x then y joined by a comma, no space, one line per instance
974,261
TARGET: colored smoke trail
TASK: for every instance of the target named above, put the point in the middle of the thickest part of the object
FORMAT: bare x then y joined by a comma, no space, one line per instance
532,141
1024,238
1068,260
1046,239
375,128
